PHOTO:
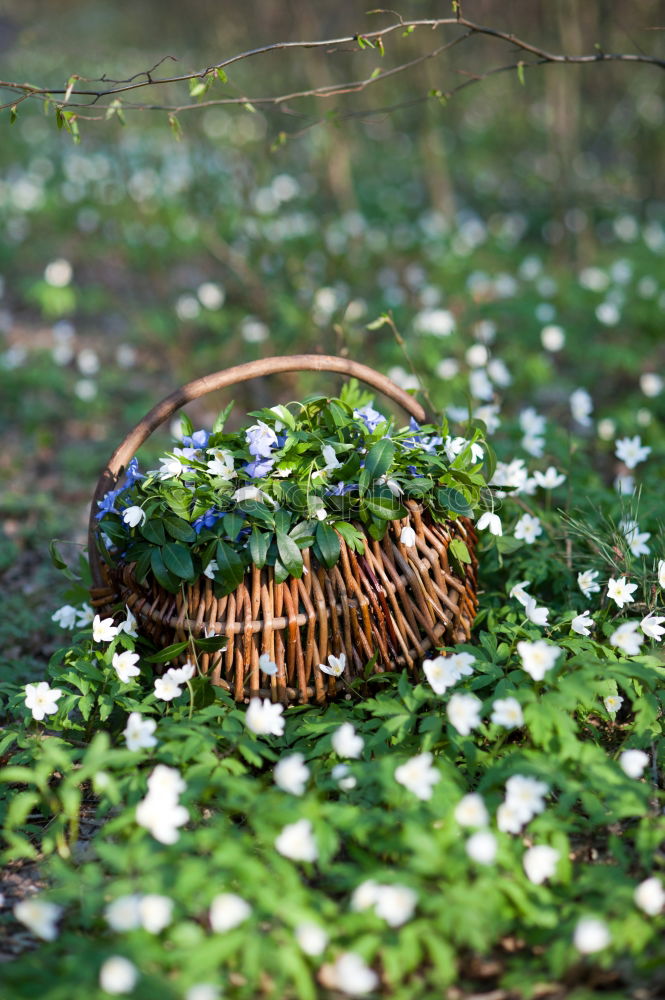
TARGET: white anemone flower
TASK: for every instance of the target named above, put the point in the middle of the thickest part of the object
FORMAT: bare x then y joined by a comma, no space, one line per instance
39,917
631,451
133,516
311,938
582,624
166,688
227,911
139,732
540,863
627,638
125,665
155,912
180,675
350,974
586,581
528,529
472,811
464,713
291,774
538,657
652,626
103,630
535,614
42,699
118,975
507,712
526,795
442,673
335,665
550,479
65,616
490,521
346,742
633,762
408,537
296,841
418,775
265,718
650,896
267,665
481,847
612,703
591,935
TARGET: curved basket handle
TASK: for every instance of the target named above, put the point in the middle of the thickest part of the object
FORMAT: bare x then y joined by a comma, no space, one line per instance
220,380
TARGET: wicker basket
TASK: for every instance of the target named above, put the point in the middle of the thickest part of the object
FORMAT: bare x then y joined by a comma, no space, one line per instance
392,603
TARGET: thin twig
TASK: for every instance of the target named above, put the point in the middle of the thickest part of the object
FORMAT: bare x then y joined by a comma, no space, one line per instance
100,97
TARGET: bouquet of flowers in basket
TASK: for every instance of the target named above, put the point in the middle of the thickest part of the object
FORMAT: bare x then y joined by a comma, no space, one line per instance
298,476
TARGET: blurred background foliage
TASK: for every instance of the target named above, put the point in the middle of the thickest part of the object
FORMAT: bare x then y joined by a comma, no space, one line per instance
132,261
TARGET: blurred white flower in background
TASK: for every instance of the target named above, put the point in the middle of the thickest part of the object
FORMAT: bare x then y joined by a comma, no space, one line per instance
650,896
296,841
472,811
627,638
264,717
118,975
481,847
311,938
540,863
631,451
211,295
58,273
581,407
591,935
463,713
346,742
507,712
418,775
553,338
227,911
291,774
633,762
39,916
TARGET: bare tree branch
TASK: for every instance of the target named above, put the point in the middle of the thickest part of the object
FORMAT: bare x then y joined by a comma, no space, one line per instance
76,101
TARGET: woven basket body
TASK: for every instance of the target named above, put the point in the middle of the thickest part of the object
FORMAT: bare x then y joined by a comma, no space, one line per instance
391,604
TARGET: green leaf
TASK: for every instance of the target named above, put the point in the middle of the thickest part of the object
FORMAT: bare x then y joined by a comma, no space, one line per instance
219,423
388,509
186,426
178,560
259,543
354,538
233,525
153,531
379,458
454,501
211,644
161,573
289,554
281,572
179,529
328,543
221,75
459,550
231,567
175,127
282,521
168,653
